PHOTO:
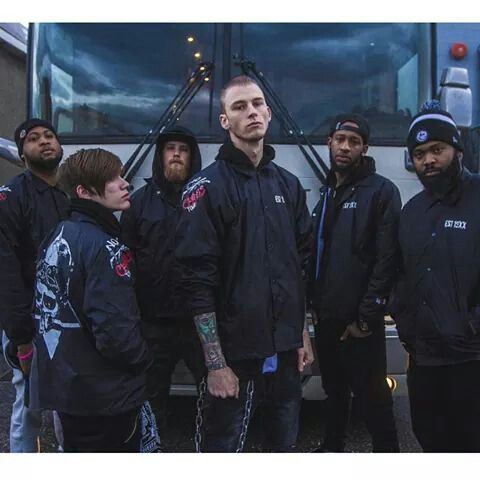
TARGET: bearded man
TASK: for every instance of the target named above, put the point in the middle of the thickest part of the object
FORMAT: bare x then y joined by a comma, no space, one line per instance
30,207
148,228
437,307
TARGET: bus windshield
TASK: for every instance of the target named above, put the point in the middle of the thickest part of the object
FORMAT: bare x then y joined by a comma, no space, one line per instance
111,82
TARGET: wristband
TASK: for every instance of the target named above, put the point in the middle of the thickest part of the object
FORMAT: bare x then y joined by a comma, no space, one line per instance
26,356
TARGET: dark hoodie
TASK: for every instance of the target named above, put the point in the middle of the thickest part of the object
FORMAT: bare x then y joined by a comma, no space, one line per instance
148,228
355,248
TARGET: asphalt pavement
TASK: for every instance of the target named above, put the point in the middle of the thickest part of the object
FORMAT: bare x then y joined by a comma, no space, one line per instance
181,420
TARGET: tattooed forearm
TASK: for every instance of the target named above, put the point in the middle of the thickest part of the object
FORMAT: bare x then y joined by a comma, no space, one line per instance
206,325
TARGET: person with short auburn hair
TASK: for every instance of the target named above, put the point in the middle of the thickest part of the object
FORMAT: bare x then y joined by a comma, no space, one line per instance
90,357
92,168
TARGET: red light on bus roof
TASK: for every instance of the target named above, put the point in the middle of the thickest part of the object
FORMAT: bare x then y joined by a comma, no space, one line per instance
458,50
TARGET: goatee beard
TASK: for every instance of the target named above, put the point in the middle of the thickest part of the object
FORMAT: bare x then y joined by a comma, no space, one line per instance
45,166
445,181
343,169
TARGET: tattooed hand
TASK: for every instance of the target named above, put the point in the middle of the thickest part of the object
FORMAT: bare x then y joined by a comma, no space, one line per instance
223,383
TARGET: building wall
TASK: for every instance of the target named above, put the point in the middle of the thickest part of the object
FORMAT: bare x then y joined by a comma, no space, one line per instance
13,91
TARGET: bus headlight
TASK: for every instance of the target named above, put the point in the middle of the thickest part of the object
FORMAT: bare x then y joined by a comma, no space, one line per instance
392,383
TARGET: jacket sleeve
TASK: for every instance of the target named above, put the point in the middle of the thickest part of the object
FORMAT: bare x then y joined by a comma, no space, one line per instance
111,310
373,305
403,301
128,222
16,295
303,230
312,261
199,240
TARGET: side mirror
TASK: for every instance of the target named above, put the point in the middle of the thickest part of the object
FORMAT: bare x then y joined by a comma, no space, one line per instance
455,95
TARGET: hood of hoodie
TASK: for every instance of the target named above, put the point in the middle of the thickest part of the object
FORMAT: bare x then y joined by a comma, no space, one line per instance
363,170
180,134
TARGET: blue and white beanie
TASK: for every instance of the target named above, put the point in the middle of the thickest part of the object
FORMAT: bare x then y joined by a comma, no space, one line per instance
433,123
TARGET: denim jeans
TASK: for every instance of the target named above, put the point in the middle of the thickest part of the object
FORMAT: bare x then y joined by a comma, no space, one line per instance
278,395
25,423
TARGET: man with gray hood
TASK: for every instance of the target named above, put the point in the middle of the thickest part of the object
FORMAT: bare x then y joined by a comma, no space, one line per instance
148,228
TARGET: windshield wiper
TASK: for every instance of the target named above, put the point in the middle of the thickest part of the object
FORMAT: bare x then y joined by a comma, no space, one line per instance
168,117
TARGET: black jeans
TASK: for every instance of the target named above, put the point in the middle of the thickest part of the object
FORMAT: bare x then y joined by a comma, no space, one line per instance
279,396
105,434
358,366
169,342
445,406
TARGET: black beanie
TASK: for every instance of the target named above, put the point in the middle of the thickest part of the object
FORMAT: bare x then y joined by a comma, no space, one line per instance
363,128
23,129
433,123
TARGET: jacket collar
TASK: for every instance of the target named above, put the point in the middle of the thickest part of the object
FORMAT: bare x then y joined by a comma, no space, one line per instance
361,176
240,161
39,184
97,213
357,176
166,190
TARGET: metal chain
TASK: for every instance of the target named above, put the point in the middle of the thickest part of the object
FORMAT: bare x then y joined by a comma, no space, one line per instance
246,417
199,419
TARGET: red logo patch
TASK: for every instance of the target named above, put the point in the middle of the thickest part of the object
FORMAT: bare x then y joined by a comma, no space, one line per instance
3,196
190,201
121,269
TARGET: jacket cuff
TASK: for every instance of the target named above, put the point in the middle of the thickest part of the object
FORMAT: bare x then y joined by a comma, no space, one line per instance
201,311
21,339
370,323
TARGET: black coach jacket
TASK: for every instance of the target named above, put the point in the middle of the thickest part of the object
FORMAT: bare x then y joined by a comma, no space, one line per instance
244,240
29,209
148,229
90,357
355,257
437,305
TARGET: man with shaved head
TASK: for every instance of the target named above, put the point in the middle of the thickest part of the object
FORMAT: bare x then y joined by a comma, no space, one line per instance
243,244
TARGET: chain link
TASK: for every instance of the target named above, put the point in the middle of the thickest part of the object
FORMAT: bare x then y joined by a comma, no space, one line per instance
199,419
246,417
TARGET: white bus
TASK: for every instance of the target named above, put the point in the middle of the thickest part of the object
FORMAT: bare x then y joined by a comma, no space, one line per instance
108,84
